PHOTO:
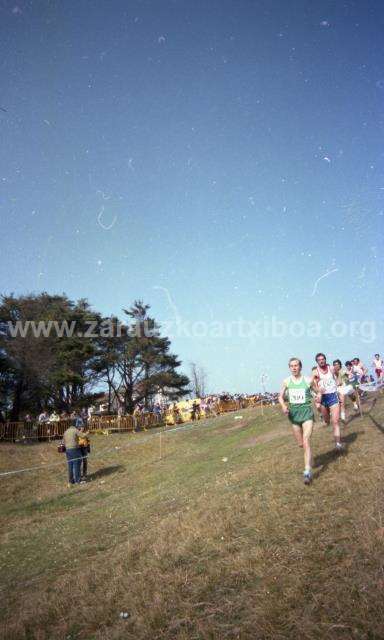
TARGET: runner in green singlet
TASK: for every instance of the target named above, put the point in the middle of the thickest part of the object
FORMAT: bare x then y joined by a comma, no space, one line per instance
299,410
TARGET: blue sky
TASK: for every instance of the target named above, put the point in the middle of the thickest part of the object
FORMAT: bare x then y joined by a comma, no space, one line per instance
216,159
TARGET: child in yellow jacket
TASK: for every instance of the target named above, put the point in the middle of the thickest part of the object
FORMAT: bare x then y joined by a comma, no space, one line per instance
85,448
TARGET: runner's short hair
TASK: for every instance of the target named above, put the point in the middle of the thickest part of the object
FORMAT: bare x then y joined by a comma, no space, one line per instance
337,361
298,360
320,354
348,363
377,355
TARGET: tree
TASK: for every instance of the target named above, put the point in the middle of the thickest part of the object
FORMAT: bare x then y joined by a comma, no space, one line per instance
6,386
138,364
107,355
50,360
49,366
198,380
74,373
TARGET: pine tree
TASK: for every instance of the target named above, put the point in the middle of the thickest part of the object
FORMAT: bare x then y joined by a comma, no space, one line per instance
138,364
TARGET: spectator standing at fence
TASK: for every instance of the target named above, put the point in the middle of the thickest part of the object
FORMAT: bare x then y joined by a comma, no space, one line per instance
85,448
176,413
138,411
195,413
43,417
73,452
77,420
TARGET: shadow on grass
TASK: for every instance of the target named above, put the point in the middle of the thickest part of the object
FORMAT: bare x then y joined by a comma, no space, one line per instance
367,414
355,416
325,459
106,471
379,426
367,411
51,505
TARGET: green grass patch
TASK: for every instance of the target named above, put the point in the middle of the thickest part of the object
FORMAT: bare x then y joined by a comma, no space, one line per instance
204,532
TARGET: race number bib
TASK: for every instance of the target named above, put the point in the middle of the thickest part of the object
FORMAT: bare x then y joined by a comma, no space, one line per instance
296,396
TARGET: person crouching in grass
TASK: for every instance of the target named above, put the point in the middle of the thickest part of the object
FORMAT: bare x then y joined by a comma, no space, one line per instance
85,449
299,411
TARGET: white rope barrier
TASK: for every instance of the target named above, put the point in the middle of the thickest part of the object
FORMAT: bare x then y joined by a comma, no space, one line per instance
144,439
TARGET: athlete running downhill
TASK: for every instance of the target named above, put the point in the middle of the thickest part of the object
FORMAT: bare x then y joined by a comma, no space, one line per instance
338,373
325,383
359,369
299,411
345,385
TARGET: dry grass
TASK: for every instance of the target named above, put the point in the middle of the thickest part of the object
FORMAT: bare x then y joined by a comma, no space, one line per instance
192,547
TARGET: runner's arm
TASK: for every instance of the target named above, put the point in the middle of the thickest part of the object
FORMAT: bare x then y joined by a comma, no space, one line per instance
282,402
315,383
315,386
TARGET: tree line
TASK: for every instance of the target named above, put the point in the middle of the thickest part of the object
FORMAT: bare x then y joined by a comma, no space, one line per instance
58,354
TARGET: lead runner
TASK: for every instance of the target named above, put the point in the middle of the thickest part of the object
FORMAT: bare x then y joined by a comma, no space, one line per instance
299,411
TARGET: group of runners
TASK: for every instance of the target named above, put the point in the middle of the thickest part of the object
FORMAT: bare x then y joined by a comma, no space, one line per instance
329,386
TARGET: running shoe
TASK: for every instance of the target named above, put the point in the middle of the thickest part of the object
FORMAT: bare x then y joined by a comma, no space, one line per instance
342,415
340,448
307,476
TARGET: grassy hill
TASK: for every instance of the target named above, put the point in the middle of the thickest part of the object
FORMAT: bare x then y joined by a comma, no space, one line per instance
205,533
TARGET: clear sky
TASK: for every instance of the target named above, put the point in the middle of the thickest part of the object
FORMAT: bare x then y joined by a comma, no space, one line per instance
214,159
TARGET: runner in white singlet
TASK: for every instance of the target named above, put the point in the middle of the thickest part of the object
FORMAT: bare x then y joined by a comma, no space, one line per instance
345,385
359,369
340,385
325,380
